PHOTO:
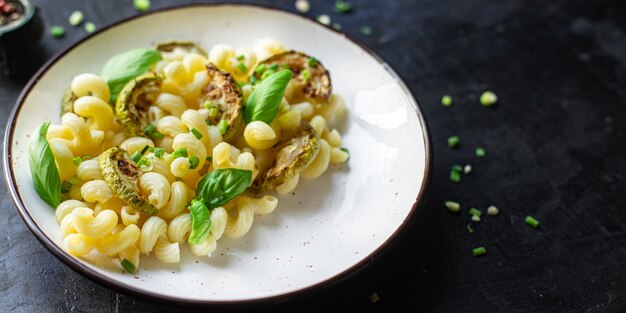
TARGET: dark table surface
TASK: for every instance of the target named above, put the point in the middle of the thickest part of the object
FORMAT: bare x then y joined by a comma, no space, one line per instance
555,150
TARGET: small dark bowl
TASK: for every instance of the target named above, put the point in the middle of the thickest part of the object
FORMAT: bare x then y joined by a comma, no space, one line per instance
21,37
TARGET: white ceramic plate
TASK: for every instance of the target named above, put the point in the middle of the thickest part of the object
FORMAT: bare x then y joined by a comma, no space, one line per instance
331,227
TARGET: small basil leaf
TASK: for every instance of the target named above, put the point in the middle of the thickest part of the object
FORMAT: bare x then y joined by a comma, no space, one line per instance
200,222
222,185
123,67
264,102
43,168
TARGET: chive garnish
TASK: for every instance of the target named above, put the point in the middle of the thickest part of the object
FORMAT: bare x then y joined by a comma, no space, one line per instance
142,5
242,68
129,267
475,212
142,161
342,7
366,30
196,133
455,176
158,152
273,67
194,161
209,159
469,228
312,62
446,100
90,27
148,129
532,222
156,135
182,152
480,152
208,104
260,69
145,149
453,141
77,160
240,57
306,74
135,157
213,112
457,168
488,98
57,31
76,18
453,206
222,126
479,251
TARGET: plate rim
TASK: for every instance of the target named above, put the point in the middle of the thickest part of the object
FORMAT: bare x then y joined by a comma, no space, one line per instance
116,286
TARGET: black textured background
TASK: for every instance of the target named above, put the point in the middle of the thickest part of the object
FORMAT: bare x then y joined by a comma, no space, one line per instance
555,150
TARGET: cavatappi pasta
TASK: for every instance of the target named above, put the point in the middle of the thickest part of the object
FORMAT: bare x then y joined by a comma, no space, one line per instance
179,137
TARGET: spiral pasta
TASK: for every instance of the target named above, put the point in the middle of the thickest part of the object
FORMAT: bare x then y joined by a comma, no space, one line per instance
170,137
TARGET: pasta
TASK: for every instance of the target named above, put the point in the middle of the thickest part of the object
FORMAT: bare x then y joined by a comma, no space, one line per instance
132,172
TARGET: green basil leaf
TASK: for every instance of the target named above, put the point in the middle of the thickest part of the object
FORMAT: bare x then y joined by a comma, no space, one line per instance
43,168
200,222
264,102
123,67
220,186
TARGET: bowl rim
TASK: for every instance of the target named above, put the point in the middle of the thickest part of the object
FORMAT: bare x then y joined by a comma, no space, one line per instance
116,286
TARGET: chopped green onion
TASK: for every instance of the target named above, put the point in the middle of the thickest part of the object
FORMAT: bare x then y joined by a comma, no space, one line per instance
74,180
158,152
209,159
136,157
374,297
455,176
142,5
479,251
532,222
77,160
196,133
194,161
240,57
90,27
303,6
76,18
480,152
129,267
492,210
65,186
145,149
142,161
453,141
260,69
366,30
151,149
457,168
274,67
148,129
446,100
337,26
208,122
213,112
475,218
182,152
306,74
467,169
156,134
57,31
488,98
469,228
223,126
324,19
342,7
453,206
312,62
346,151
475,212
208,104
242,68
